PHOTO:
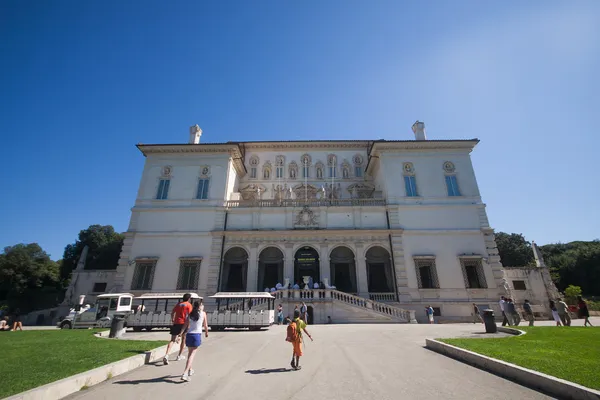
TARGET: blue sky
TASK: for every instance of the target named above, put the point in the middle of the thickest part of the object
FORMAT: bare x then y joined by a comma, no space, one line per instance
82,82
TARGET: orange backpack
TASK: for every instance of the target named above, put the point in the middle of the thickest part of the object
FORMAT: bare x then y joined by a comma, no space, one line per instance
292,332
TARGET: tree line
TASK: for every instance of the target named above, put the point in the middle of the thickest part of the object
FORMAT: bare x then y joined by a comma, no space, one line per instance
30,280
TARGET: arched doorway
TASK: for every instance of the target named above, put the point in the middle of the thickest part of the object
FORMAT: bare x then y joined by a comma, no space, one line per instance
306,264
235,270
270,268
343,269
379,270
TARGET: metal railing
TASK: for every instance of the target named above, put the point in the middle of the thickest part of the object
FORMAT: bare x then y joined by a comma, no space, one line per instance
302,203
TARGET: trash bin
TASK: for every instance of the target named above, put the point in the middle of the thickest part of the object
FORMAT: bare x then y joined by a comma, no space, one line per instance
117,327
490,322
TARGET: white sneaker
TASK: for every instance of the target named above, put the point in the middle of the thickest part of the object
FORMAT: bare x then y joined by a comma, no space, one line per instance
165,360
180,358
185,377
191,372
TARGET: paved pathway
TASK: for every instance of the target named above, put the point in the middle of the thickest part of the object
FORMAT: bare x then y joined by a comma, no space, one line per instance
344,362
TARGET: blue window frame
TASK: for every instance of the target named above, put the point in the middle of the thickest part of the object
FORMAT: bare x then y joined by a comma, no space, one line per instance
332,172
202,193
452,185
305,172
410,183
279,172
163,189
358,172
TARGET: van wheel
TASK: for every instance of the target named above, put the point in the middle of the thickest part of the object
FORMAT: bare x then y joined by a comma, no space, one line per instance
148,328
65,325
137,328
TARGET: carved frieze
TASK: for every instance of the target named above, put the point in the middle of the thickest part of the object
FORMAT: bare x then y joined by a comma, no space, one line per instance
252,192
306,217
305,192
361,191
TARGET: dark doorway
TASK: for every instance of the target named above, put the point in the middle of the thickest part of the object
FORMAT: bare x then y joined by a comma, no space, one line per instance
271,275
342,278
379,270
343,269
307,264
236,283
377,279
310,312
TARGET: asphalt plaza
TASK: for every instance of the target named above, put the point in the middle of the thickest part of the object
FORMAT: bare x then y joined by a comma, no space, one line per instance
344,362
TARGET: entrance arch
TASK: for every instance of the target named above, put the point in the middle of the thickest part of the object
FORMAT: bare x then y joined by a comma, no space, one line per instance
235,270
343,269
270,268
379,270
306,263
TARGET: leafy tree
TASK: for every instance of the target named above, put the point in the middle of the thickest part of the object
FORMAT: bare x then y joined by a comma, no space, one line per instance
29,279
104,246
514,250
571,293
575,263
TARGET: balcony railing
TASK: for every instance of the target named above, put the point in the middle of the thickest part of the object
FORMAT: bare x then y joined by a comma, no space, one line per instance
302,203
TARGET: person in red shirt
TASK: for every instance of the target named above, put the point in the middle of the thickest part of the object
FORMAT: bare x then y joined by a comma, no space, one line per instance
179,317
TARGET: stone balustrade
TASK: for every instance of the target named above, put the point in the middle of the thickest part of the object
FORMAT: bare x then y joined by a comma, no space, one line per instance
383,297
302,203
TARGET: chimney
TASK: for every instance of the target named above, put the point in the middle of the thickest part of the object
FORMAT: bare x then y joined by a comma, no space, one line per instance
195,133
419,130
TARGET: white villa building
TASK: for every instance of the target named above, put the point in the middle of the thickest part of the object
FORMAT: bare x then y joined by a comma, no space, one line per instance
392,224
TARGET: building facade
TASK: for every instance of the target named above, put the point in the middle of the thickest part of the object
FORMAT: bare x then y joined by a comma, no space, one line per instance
394,221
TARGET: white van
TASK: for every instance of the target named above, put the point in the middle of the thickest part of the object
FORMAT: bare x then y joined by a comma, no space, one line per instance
106,307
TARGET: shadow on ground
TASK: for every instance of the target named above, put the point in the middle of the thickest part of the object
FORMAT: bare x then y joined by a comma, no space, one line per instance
267,371
161,379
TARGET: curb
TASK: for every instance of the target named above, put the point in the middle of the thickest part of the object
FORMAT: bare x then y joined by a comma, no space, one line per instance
551,385
72,384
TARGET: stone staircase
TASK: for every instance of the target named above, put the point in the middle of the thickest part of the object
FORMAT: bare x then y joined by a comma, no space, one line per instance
341,307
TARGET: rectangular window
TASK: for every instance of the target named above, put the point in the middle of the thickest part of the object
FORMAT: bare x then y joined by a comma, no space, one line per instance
253,172
358,172
332,172
519,285
189,272
426,273
305,172
452,185
473,273
163,189
202,193
143,275
410,183
279,171
99,287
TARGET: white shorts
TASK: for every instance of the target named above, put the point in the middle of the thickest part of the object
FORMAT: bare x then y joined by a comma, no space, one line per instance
430,317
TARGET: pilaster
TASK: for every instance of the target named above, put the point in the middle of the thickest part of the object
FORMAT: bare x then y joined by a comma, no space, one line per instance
288,266
361,272
325,263
252,276
400,268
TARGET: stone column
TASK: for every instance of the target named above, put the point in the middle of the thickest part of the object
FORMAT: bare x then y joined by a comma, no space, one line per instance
324,263
361,271
252,277
288,266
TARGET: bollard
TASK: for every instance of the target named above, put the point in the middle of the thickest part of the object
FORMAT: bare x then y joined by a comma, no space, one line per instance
490,322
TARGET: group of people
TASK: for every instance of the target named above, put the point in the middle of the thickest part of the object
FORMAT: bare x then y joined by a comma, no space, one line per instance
11,324
311,284
560,312
188,322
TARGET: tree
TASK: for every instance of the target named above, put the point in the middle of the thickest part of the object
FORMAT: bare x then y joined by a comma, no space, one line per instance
575,263
29,279
104,249
571,293
514,250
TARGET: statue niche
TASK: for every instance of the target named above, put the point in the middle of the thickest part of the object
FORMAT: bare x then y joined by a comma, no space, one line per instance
305,192
293,170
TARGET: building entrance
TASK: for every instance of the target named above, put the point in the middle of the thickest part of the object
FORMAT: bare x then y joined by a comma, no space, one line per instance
306,264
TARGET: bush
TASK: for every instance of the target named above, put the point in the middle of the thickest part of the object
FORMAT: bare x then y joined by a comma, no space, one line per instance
593,305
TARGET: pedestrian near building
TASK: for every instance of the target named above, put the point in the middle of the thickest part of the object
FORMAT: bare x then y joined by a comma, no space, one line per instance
563,312
429,312
279,314
528,312
476,314
304,312
555,313
502,304
510,311
294,336
583,311
178,317
194,324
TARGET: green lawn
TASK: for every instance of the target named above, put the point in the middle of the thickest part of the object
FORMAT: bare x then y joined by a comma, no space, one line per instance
571,353
34,358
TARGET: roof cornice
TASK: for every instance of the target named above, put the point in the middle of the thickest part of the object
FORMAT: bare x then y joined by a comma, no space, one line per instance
317,144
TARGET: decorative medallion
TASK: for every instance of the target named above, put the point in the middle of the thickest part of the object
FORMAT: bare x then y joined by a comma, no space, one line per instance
306,217
254,161
205,170
357,159
166,171
279,161
449,167
408,168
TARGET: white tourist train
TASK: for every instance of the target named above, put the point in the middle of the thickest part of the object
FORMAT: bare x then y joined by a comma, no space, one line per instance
148,311
252,310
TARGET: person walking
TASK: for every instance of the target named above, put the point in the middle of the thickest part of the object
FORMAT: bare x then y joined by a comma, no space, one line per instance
476,314
304,312
279,314
528,312
178,317
194,324
583,311
294,336
429,312
502,304
509,312
555,313
563,312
